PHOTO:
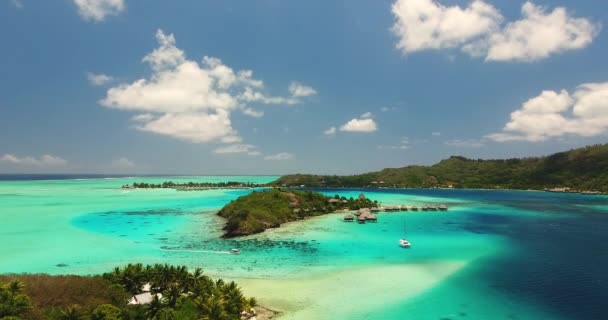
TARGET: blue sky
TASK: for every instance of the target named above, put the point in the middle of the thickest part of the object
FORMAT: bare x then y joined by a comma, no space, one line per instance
119,86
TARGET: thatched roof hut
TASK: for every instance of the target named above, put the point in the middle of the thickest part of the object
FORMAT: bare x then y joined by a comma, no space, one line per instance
363,211
443,207
361,196
361,218
371,217
349,218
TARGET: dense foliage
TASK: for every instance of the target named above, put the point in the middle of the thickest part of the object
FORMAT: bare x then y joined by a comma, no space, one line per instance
187,295
259,211
580,169
173,185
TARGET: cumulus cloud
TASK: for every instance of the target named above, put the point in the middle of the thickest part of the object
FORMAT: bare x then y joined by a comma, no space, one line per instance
44,160
237,148
330,131
436,134
197,127
478,30
98,10
123,163
553,114
191,100
468,143
426,24
360,125
98,79
279,156
299,90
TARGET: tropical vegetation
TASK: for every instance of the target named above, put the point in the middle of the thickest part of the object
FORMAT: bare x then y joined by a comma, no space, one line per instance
258,211
178,293
584,169
174,185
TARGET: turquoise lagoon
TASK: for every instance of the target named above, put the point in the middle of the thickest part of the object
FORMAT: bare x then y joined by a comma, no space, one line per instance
494,255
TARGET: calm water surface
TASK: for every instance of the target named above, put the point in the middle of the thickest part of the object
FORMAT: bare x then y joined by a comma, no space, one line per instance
494,255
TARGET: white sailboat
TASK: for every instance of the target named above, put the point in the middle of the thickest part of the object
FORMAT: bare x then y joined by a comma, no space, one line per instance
404,243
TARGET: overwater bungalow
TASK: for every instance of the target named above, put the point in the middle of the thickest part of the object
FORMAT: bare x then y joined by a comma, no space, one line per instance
425,208
375,209
361,219
414,208
432,208
404,208
363,211
349,218
371,217
443,207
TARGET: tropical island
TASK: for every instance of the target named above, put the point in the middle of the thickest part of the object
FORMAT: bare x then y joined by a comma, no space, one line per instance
192,185
578,170
162,292
258,211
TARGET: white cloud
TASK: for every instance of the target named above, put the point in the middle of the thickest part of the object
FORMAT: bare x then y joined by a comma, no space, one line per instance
123,163
436,134
97,10
189,100
249,95
98,79
197,127
44,160
426,24
330,131
359,125
553,114
366,115
469,143
279,156
479,31
237,148
539,34
253,112
299,90
144,117
17,3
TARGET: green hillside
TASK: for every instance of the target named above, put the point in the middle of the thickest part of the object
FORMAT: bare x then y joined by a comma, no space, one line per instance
581,169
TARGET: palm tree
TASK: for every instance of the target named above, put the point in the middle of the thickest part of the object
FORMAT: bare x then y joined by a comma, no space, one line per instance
154,307
233,298
172,294
71,313
213,309
15,287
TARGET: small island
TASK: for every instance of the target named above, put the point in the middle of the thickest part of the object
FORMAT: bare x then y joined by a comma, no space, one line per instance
266,209
192,186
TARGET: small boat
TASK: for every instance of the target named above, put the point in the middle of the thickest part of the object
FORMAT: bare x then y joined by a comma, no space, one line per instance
403,243
235,251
